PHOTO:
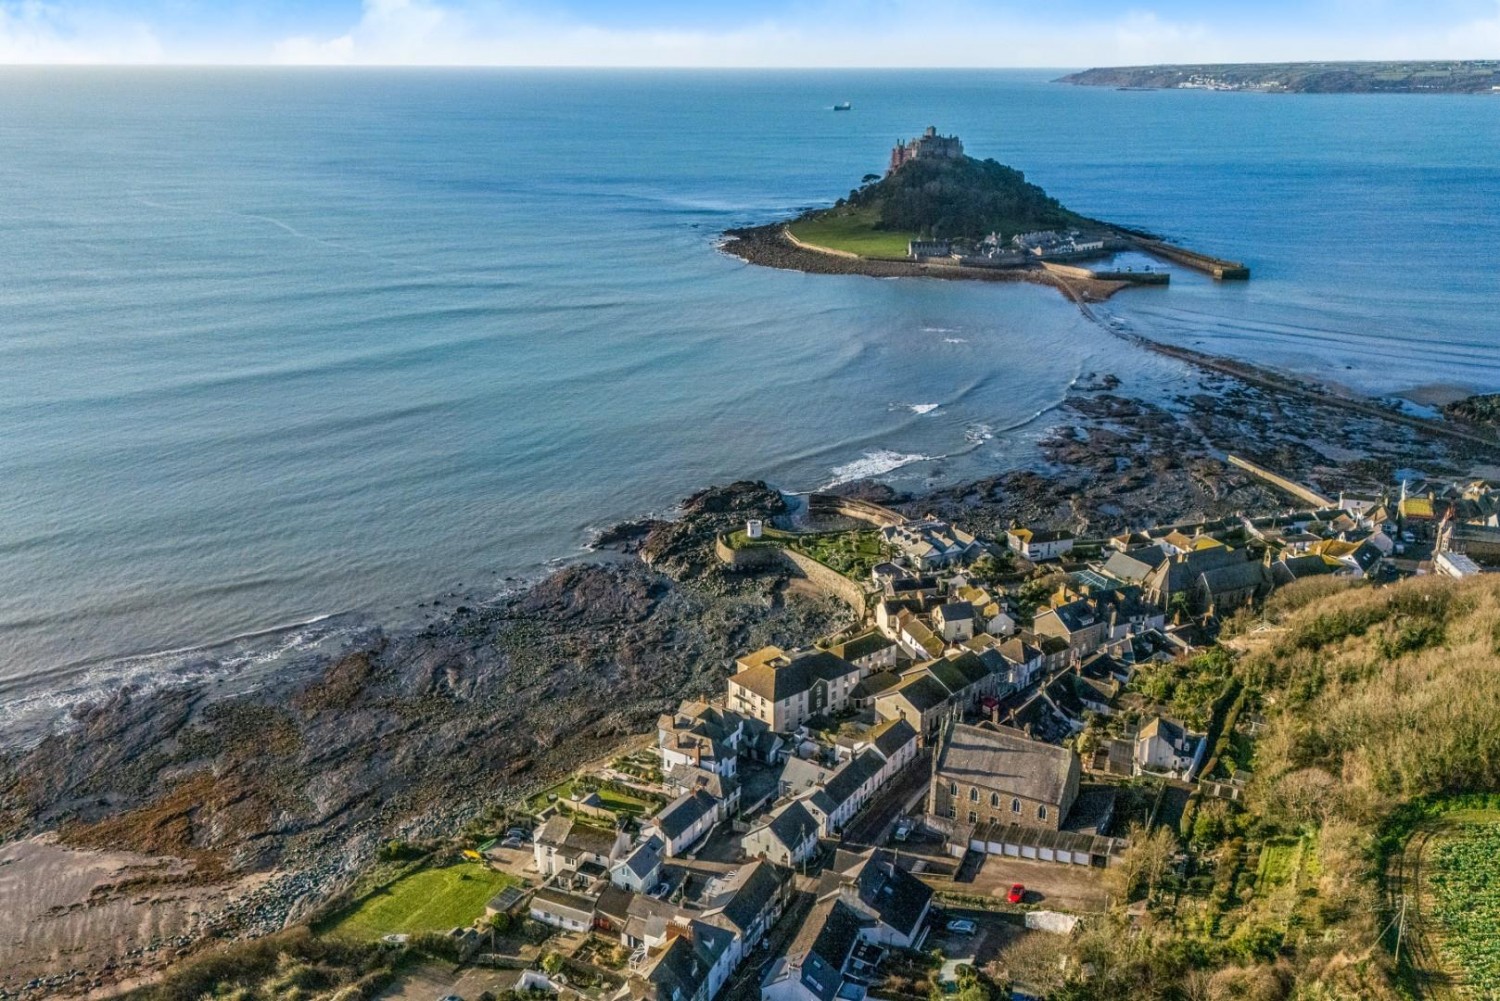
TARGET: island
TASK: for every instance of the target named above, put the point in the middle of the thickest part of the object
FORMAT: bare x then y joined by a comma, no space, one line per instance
1473,76
939,212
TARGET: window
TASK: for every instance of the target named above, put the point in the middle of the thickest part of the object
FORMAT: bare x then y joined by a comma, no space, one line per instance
1015,806
973,795
952,788
1041,813
973,817
953,811
995,800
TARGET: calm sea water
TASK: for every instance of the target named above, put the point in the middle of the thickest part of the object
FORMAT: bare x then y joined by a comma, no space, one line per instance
286,352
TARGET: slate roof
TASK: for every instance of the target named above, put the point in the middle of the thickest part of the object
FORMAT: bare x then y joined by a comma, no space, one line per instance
1133,565
923,691
875,684
863,645
792,824
1005,760
823,944
900,898
846,781
683,812
753,892
644,859
891,736
956,611
554,901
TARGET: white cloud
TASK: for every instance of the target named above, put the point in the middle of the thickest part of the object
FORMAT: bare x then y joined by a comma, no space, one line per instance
34,32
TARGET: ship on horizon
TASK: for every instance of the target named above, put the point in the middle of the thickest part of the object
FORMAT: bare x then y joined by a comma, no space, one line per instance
843,106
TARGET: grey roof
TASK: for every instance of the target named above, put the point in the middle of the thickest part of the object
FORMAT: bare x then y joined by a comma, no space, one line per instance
1290,568
644,860
1234,577
792,824
863,645
875,684
956,611
900,898
1133,565
892,736
827,938
562,903
683,812
844,783
1006,761
757,886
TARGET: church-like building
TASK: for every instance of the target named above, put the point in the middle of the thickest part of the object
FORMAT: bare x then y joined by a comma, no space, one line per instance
928,146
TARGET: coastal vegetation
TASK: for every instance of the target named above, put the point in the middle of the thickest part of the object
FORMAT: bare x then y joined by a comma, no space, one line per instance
1372,720
1481,409
1475,76
948,199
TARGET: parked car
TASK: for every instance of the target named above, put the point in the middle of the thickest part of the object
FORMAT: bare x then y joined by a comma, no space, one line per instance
1017,893
960,926
512,843
660,890
519,833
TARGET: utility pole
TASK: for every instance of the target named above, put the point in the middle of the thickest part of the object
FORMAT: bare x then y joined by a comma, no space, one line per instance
1400,930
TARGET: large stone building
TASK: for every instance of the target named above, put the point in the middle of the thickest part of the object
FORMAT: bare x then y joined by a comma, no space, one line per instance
992,774
927,146
784,691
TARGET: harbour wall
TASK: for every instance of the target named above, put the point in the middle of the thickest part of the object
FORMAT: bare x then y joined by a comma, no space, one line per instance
859,510
1216,266
1281,482
1094,274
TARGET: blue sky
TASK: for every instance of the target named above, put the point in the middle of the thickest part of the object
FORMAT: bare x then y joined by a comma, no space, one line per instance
833,33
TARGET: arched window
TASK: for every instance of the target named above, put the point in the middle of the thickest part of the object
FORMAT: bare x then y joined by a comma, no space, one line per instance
1041,813
952,788
994,800
973,795
1015,806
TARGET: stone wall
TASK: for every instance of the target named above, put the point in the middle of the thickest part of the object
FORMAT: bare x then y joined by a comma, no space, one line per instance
1297,490
859,510
825,578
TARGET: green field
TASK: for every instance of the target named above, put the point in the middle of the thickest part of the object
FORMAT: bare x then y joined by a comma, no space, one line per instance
431,900
852,231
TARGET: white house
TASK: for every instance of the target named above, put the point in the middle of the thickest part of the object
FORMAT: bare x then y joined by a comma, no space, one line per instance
1038,545
683,821
640,870
784,691
1164,746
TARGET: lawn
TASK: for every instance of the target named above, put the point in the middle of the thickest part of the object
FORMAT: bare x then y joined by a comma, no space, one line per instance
430,900
852,554
852,231
1279,861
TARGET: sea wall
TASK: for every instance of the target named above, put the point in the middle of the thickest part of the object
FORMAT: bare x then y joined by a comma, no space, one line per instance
859,510
767,556
1094,274
1276,480
1216,266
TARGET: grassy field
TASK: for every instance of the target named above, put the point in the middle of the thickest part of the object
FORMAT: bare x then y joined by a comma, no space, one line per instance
432,900
853,232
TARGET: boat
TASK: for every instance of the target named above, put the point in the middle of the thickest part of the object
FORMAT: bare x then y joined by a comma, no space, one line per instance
842,106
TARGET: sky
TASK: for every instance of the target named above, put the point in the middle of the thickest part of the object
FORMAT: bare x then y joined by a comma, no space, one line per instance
746,33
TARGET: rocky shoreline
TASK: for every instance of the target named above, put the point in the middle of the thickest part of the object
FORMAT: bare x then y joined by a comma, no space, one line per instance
277,799
769,247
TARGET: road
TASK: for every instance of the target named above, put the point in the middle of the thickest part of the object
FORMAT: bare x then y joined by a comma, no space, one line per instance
871,825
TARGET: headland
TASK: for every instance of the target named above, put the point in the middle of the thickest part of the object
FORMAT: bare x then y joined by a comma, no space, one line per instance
1457,76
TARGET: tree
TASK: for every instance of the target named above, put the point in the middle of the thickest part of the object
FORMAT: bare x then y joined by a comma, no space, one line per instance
552,962
1144,862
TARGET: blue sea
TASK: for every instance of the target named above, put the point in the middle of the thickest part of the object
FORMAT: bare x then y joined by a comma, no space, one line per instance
289,353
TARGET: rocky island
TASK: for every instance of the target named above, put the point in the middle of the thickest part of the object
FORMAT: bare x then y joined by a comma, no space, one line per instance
937,212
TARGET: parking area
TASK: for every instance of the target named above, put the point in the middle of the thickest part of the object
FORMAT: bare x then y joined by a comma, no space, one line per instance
431,981
1048,884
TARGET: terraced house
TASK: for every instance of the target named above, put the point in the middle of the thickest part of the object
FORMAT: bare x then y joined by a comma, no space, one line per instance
784,691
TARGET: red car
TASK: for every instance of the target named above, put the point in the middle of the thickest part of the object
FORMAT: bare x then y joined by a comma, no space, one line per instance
1017,893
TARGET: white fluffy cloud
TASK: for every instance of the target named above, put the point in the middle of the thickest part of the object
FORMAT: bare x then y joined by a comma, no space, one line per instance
36,32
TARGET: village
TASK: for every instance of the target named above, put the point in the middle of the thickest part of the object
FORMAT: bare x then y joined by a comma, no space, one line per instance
874,813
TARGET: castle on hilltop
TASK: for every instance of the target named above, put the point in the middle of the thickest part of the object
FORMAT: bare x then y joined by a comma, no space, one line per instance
927,146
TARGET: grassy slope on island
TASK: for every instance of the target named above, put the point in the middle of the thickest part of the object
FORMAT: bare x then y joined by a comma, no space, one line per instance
944,199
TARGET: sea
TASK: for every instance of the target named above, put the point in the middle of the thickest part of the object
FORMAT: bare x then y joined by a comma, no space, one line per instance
287,354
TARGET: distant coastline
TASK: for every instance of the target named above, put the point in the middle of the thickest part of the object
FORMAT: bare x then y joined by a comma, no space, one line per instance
1477,76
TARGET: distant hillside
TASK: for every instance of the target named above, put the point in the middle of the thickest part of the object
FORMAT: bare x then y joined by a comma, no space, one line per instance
960,198
1455,77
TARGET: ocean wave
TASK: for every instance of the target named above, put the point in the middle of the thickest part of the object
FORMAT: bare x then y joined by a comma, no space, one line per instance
876,463
955,340
923,408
